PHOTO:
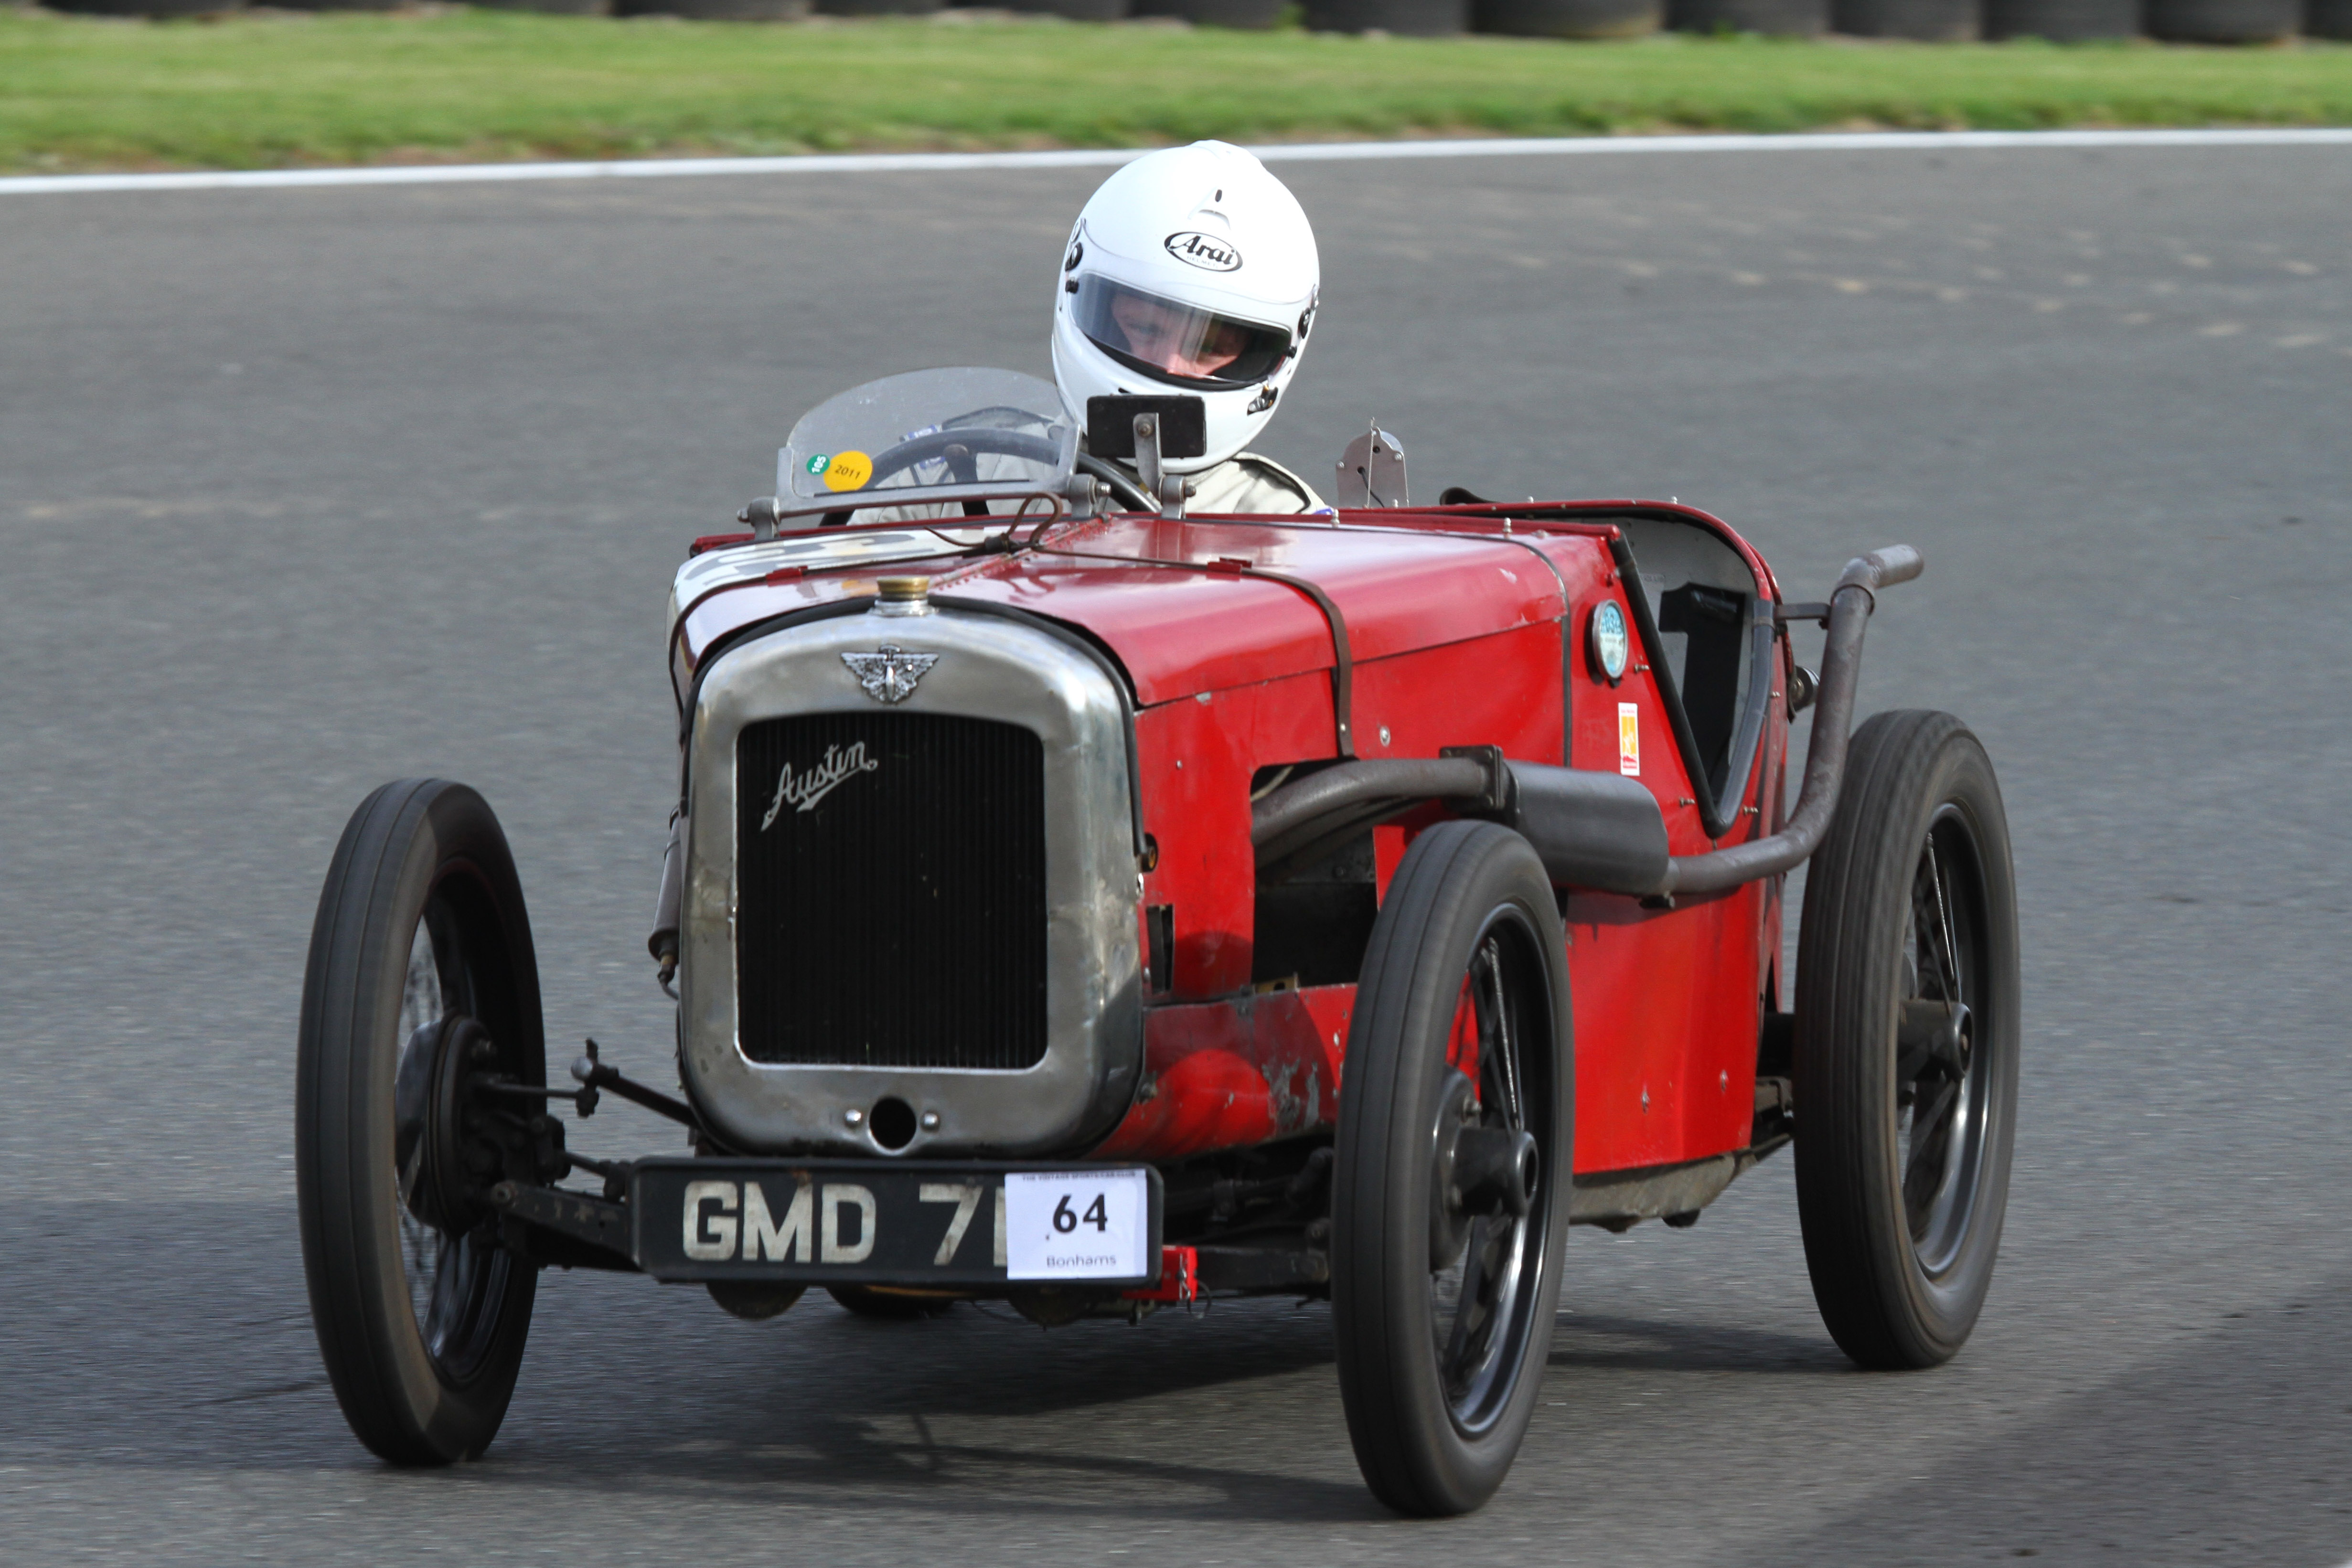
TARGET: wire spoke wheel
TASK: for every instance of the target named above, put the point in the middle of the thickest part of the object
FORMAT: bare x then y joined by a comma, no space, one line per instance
458,1274
1942,1081
421,976
1908,1024
1449,1196
1479,1309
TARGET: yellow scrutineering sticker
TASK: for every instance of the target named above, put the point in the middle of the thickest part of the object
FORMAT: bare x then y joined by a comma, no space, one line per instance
848,470
1629,739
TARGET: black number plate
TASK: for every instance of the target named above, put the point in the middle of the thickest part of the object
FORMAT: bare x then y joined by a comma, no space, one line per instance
904,1222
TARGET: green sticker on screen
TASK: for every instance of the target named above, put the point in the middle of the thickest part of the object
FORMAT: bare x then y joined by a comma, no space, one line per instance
818,462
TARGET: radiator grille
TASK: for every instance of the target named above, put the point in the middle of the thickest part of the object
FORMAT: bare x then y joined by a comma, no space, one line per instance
899,920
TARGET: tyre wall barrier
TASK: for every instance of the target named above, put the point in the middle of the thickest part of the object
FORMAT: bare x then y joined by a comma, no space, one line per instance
716,10
1932,21
1075,10
1928,21
1567,18
2062,21
157,8
1254,14
1774,19
2223,21
1416,18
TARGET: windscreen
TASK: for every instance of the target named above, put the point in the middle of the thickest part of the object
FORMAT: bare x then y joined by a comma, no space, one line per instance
929,430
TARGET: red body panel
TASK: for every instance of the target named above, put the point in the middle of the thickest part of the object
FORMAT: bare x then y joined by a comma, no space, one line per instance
1229,1073
1676,994
1461,633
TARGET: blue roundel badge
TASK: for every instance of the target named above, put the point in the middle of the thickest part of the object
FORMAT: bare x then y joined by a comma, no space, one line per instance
1609,644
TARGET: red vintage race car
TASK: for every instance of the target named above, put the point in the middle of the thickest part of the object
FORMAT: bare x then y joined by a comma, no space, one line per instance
1077,903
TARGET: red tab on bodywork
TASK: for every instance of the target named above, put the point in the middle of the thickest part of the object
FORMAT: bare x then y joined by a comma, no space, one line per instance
1179,1277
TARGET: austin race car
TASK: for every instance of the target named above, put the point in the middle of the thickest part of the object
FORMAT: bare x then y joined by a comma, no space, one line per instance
1076,904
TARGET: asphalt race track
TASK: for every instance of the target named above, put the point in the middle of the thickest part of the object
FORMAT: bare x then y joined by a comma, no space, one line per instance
301,490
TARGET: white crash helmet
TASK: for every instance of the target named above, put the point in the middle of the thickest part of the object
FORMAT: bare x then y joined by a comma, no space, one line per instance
1191,270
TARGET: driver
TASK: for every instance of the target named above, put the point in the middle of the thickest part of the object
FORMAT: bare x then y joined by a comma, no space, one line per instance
1193,270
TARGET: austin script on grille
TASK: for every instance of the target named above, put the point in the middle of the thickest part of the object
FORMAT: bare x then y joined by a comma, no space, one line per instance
805,790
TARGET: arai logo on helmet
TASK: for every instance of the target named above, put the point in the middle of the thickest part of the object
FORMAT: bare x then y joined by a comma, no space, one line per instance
1201,250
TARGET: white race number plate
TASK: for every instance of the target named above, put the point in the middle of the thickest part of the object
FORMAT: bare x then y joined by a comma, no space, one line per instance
1076,1225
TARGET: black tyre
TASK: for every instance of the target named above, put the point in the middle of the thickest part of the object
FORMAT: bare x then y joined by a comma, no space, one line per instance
1407,19
1077,10
1450,1193
157,10
1929,21
421,982
2062,21
1255,14
1773,18
1568,19
717,10
1907,1044
2223,21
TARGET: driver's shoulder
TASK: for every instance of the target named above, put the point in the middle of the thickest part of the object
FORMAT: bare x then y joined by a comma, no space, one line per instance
1249,483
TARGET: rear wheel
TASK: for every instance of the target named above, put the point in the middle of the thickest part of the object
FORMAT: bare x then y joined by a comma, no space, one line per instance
1907,1044
1449,1195
421,983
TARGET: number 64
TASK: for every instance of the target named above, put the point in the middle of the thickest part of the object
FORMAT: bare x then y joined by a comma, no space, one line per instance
1066,1220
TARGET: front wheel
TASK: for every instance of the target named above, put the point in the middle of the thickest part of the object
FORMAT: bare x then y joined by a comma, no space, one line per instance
1907,1044
1450,1193
421,988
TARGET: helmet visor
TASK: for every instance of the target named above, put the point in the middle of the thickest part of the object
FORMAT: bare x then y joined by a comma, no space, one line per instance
1173,341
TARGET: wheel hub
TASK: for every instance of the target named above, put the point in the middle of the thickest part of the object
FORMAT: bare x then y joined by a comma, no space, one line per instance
1934,1040
431,1113
1475,1171
1449,1228
1496,1170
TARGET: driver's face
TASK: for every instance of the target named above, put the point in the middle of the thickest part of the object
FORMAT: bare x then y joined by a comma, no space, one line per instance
1157,335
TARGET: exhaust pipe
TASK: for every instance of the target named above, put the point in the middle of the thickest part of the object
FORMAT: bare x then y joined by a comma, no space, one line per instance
1851,602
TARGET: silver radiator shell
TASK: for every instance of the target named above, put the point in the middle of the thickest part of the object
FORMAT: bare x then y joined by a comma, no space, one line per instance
986,667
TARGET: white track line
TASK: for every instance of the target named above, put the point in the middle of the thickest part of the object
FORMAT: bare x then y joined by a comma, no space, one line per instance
1298,153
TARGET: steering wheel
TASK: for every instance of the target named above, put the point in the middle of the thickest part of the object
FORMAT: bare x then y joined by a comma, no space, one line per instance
961,446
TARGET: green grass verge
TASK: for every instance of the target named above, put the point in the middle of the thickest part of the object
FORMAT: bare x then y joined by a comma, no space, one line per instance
274,90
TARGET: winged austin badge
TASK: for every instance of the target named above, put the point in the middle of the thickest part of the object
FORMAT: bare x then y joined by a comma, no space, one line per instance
889,673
